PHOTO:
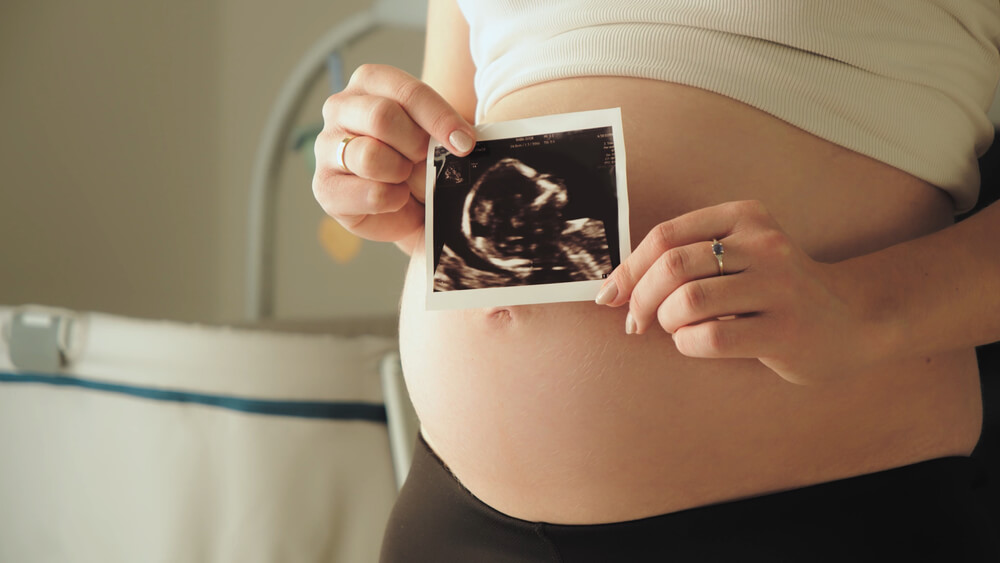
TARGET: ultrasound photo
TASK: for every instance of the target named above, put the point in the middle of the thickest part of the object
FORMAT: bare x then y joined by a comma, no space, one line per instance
532,211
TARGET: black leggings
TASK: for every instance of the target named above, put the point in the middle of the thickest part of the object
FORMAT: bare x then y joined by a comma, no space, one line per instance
929,511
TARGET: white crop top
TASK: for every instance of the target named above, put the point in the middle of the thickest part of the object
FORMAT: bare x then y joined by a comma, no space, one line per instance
907,82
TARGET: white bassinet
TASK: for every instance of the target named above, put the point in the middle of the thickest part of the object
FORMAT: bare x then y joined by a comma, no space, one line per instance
136,441
124,440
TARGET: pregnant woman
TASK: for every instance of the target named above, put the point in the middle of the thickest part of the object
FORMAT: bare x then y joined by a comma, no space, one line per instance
784,369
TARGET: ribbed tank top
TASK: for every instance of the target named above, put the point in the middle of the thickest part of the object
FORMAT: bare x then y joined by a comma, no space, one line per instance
907,82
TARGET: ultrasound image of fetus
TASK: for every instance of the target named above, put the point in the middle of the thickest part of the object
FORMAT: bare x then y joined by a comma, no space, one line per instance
514,232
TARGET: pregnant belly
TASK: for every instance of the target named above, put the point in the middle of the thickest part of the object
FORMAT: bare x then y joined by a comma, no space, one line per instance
550,412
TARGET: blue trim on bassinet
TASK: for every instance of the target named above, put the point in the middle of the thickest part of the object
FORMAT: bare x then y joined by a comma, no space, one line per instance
329,410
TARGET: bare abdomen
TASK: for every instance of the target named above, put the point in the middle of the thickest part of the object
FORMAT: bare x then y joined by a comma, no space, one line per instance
550,412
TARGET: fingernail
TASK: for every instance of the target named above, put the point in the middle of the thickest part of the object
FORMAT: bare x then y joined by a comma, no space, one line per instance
630,327
607,294
461,140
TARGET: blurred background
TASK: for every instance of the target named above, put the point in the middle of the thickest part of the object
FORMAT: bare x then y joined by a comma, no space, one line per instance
129,133
129,139
133,159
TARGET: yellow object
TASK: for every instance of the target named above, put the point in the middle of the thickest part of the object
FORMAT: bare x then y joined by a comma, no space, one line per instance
337,241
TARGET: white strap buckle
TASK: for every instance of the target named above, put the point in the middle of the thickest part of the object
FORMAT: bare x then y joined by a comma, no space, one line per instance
43,339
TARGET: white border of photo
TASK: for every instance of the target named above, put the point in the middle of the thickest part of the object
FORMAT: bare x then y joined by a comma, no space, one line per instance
542,293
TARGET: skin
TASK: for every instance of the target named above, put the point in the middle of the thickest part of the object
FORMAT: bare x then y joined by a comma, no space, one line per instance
856,304
927,294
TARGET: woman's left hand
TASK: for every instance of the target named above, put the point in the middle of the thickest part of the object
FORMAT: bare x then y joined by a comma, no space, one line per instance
772,301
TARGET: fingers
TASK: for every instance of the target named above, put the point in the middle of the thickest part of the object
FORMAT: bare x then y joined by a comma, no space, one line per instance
676,278
699,226
369,184
673,279
741,337
418,181
706,300
381,118
424,106
386,227
364,157
353,195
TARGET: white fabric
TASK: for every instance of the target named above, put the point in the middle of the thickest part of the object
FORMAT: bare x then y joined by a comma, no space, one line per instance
96,476
907,83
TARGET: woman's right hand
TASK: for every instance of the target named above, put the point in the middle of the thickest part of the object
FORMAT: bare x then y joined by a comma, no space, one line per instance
391,116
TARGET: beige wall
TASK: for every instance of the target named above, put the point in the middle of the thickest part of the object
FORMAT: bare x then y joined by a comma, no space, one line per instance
259,52
308,284
107,180
128,135
128,131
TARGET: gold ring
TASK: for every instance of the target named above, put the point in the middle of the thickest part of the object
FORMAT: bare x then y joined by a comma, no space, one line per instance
340,153
718,251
